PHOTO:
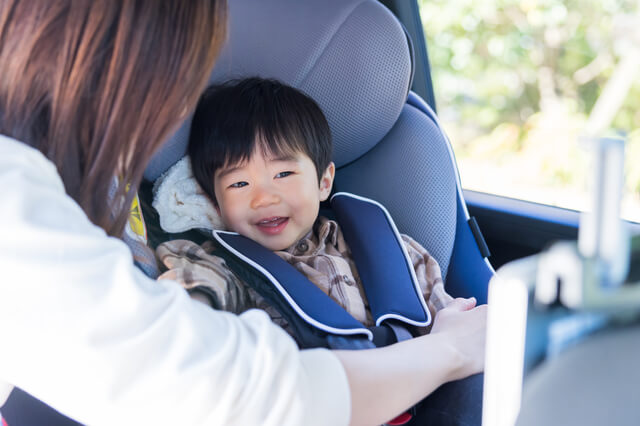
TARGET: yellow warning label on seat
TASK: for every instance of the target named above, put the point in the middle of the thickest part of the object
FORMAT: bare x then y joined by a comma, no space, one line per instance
136,221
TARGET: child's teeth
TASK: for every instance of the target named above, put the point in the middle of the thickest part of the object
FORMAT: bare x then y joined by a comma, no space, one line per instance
268,221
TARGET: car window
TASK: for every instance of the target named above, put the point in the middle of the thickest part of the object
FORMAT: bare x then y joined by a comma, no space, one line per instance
517,83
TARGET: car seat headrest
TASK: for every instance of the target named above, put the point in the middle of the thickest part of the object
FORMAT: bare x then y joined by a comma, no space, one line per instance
351,56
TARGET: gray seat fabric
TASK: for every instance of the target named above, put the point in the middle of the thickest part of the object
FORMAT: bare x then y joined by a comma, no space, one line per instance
410,173
353,58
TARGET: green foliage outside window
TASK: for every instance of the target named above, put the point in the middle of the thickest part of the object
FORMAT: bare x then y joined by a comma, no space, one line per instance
518,82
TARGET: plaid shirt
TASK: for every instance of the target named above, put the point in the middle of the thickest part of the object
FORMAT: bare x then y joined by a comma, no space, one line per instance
322,256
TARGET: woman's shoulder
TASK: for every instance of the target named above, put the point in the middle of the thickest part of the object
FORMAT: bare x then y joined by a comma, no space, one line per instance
34,203
21,164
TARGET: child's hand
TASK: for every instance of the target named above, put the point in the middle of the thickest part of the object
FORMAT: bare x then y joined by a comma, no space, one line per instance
464,326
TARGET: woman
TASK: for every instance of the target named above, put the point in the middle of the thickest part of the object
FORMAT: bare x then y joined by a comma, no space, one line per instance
87,94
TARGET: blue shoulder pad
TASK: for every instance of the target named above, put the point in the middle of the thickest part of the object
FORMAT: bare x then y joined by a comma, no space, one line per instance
307,300
384,266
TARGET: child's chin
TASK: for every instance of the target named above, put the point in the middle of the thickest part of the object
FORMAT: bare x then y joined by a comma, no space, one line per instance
276,245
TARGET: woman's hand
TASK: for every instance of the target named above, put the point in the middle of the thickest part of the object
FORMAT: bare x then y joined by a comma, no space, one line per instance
385,381
463,325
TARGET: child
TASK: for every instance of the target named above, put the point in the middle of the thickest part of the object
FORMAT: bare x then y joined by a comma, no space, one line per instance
261,151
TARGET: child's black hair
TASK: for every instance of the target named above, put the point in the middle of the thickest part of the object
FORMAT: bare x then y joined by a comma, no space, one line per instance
235,117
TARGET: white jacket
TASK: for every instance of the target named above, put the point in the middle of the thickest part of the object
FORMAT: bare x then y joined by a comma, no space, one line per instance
86,332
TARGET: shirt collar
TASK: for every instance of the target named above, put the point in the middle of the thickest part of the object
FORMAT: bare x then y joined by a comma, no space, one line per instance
324,233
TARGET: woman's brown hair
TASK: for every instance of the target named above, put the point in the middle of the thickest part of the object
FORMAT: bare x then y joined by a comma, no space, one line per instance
98,85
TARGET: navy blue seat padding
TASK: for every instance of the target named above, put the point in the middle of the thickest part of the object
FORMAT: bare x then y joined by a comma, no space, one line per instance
384,267
21,409
301,294
469,272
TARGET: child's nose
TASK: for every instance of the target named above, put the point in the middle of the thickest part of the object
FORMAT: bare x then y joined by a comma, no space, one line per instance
263,197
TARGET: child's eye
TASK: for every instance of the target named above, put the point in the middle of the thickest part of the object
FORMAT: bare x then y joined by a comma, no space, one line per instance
283,174
238,185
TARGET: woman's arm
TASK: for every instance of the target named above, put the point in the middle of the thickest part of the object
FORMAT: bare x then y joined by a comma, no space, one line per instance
386,381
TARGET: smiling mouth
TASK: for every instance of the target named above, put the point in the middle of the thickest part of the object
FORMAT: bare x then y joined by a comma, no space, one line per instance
272,225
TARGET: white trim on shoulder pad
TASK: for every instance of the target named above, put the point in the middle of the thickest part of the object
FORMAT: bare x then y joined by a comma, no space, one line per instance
287,296
406,258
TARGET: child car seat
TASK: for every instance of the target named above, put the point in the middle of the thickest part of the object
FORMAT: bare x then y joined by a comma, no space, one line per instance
354,58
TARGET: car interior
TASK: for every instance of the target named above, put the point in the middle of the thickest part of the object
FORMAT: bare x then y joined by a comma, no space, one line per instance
356,60
366,63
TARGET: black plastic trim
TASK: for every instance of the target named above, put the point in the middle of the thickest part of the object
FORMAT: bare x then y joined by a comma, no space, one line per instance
482,244
515,228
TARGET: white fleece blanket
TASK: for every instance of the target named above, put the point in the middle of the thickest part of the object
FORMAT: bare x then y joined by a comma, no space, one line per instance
181,203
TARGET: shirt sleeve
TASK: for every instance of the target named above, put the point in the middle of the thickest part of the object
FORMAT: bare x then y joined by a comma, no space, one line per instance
89,334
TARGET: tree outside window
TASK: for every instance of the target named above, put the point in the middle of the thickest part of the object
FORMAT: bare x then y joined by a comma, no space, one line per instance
518,83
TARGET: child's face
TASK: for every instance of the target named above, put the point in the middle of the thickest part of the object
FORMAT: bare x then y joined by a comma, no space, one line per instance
273,201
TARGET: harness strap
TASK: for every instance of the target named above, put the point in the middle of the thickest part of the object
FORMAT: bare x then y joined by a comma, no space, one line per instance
384,267
307,300
350,343
399,330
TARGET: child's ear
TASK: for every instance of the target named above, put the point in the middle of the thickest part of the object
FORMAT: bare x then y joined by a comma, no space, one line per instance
326,181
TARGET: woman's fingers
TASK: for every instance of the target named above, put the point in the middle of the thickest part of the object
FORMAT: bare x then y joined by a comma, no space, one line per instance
462,304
